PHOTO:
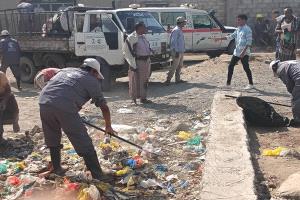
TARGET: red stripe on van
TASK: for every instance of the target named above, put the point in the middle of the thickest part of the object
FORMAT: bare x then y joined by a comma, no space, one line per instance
202,30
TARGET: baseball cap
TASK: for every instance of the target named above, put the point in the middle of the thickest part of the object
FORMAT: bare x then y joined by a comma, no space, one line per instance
4,33
93,63
180,19
273,65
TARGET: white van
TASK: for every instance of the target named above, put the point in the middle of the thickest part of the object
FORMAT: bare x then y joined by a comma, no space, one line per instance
201,29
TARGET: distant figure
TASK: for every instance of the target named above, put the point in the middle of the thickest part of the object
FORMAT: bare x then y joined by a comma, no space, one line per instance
243,41
260,30
288,29
44,76
9,111
11,54
272,32
26,16
177,46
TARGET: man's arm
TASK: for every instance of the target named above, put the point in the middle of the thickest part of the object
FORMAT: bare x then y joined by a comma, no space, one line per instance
106,115
229,37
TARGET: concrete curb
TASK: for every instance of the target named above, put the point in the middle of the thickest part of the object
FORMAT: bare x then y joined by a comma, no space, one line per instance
228,170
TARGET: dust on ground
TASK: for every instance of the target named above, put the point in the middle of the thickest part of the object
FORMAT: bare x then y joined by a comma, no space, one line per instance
185,102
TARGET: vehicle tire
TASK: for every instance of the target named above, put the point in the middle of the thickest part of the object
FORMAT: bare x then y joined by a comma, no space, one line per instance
213,54
54,60
231,47
106,72
28,70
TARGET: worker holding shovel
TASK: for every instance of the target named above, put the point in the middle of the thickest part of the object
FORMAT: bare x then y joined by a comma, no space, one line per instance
60,101
289,73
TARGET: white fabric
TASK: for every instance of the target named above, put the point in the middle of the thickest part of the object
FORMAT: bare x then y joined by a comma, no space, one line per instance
132,39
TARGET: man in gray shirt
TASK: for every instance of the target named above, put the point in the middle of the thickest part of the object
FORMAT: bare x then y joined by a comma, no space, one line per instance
61,100
177,47
289,73
11,54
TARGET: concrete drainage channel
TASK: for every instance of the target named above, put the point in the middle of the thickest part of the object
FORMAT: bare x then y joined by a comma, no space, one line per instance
228,171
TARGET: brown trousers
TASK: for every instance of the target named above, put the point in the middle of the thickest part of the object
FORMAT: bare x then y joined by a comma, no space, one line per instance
138,80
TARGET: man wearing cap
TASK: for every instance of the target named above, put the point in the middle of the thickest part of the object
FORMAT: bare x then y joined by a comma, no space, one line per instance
137,53
60,101
177,50
11,54
289,73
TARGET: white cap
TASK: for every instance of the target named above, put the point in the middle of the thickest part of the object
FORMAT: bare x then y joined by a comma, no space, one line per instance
274,62
93,63
180,19
4,33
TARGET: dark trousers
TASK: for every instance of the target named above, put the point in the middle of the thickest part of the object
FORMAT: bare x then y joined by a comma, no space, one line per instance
245,62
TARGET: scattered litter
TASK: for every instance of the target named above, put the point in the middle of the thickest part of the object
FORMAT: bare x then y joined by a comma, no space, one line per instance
274,152
183,135
125,111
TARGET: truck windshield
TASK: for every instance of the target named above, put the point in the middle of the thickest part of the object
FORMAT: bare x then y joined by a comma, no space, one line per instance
130,18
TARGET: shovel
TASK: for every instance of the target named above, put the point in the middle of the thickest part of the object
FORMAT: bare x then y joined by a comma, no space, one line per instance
278,104
118,137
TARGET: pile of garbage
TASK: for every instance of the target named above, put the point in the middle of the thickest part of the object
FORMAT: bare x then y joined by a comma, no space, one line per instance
170,164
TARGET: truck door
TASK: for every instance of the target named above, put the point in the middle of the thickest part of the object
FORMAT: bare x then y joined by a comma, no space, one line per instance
203,34
99,37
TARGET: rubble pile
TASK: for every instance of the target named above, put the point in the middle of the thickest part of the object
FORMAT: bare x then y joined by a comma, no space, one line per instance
169,166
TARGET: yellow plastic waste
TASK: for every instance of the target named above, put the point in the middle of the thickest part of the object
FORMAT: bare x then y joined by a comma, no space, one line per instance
274,152
183,135
104,187
123,171
21,165
83,194
113,145
68,146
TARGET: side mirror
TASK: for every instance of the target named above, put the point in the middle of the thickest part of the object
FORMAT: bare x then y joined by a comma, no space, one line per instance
130,23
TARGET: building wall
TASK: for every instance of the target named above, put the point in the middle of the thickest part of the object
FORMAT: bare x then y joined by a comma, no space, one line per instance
226,10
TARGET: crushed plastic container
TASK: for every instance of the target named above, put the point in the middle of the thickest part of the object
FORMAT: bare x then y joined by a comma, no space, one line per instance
183,135
273,152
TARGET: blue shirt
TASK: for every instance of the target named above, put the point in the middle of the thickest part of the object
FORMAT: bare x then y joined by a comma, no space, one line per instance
243,38
70,89
177,40
10,51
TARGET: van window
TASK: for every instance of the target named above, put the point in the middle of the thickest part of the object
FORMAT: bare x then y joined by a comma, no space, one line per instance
155,15
202,21
169,18
130,18
79,22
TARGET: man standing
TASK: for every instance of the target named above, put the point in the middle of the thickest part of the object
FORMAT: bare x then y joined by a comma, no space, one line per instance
11,54
177,50
26,10
61,100
243,41
9,111
275,36
137,53
289,73
288,29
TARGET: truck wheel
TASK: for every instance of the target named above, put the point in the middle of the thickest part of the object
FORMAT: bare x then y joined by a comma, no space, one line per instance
54,60
28,70
231,47
213,54
106,72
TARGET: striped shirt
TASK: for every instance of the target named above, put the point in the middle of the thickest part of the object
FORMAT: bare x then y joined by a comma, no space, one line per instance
243,37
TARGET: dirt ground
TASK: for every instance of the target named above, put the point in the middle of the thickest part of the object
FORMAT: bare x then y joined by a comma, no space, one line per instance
182,102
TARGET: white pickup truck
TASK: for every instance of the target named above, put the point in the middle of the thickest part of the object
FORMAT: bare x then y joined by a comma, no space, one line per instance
65,38
200,31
